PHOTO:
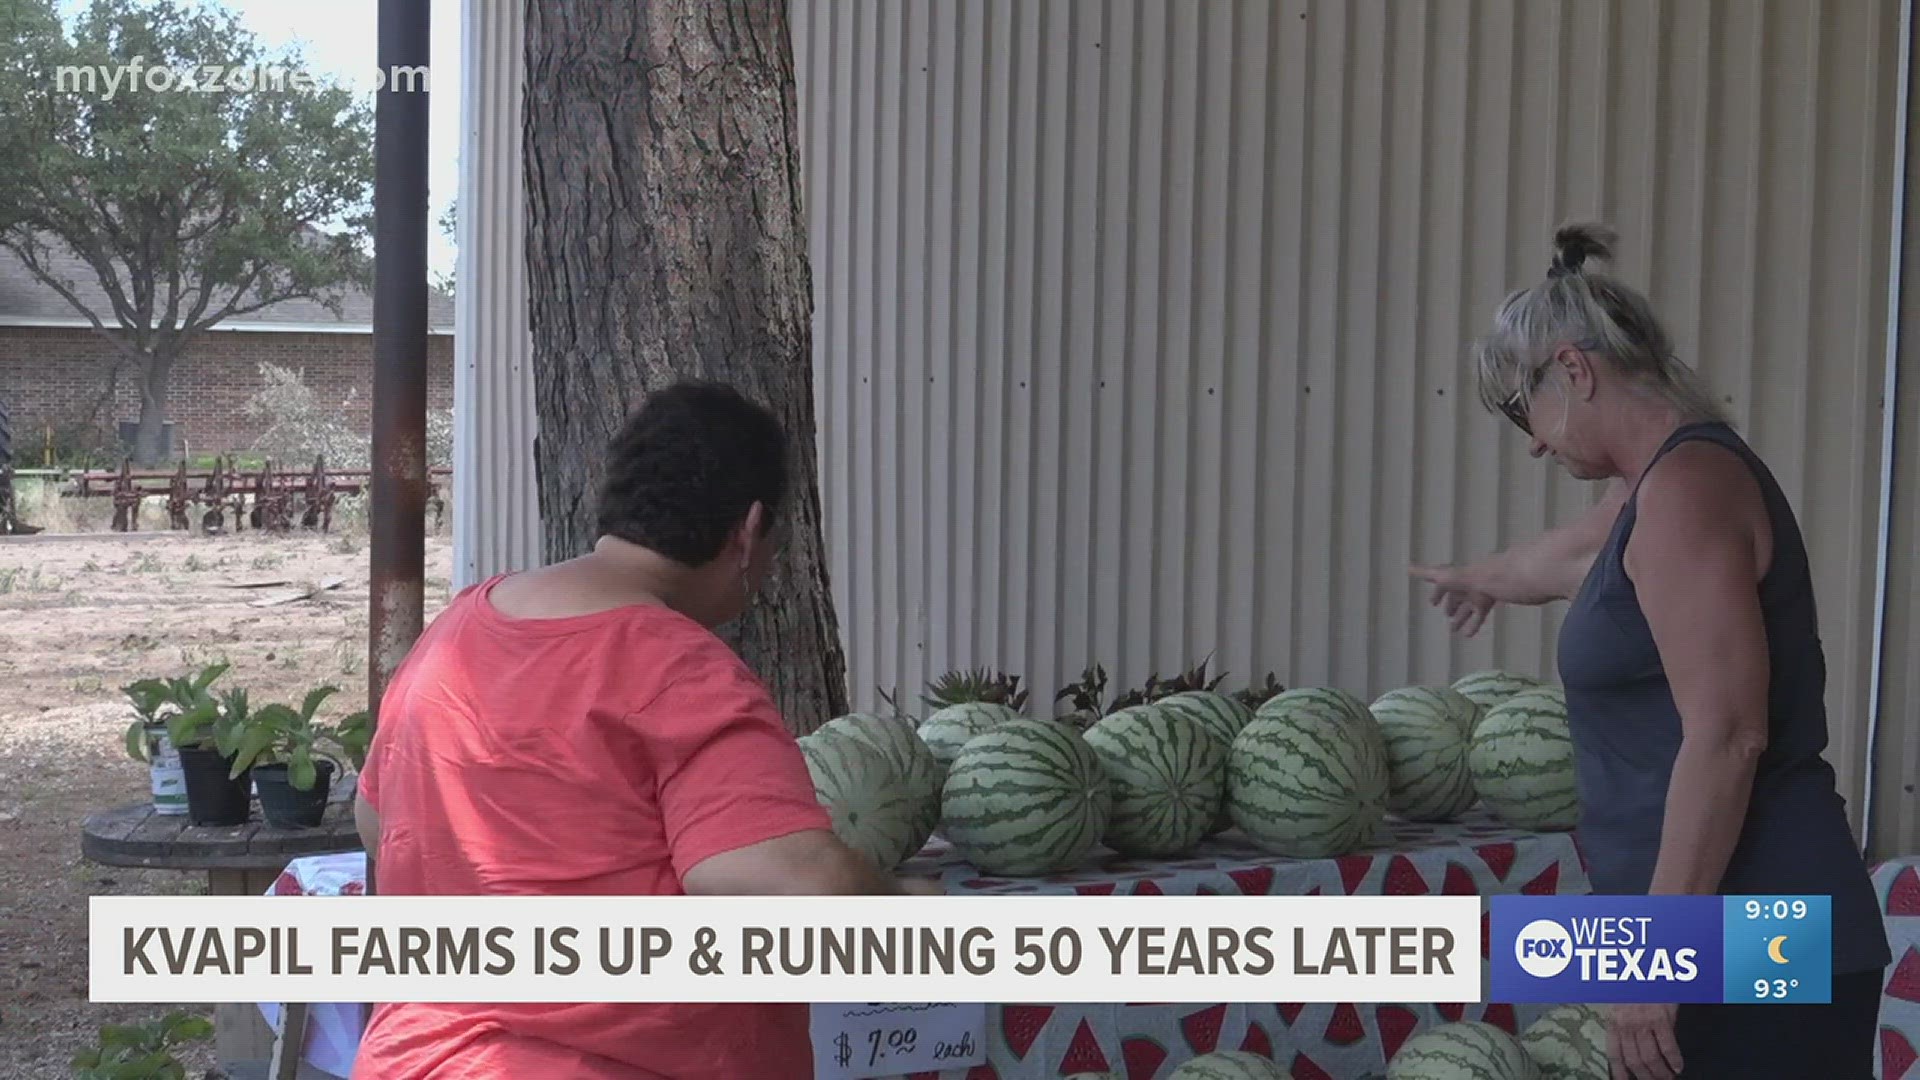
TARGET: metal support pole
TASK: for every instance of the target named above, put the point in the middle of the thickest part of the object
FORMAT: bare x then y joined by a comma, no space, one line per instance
1890,421
399,480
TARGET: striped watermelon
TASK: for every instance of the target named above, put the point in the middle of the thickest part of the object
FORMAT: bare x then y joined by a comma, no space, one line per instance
1228,1065
1427,732
1306,784
1522,761
1464,1050
872,809
1330,701
920,773
1323,697
1569,1042
1489,688
1168,775
1026,798
1223,717
949,729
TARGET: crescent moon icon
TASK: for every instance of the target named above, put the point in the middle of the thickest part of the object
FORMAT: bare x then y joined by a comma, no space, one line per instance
1773,949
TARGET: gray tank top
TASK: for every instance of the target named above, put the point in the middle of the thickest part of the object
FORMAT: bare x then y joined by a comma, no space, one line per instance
1626,732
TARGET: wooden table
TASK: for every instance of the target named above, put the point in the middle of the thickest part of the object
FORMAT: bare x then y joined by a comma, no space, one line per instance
241,860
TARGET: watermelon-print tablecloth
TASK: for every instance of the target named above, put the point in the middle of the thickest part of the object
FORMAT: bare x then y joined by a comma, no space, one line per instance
333,1029
1898,883
1146,1041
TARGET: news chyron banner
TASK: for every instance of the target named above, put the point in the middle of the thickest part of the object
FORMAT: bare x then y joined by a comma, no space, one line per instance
1012,949
1675,949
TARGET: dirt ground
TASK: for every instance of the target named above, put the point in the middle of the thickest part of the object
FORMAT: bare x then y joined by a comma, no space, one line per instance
82,617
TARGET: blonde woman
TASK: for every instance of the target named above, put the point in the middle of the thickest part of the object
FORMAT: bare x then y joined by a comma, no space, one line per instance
1691,658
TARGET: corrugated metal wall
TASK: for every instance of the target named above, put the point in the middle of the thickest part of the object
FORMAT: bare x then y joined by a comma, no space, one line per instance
496,507
1141,324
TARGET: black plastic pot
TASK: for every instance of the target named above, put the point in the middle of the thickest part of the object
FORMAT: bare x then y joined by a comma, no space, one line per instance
212,798
287,807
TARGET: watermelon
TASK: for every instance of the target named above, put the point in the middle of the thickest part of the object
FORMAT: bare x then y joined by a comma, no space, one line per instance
1463,1050
1168,777
1306,784
1318,696
948,729
1569,1042
1521,758
872,809
920,772
1489,688
1027,798
1427,731
1228,1065
1223,717
1330,702
1093,1076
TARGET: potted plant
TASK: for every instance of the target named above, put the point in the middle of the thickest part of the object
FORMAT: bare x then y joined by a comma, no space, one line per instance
147,741
353,735
141,1051
283,747
200,728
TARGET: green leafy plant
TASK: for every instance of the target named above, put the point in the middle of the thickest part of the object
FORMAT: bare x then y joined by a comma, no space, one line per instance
185,704
353,735
892,699
1086,698
1256,695
1194,678
983,684
278,734
142,1051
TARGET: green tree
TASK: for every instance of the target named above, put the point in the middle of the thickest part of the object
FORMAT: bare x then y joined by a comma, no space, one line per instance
195,175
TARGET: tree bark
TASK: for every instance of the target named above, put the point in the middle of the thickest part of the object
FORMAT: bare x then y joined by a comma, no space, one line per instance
666,238
149,441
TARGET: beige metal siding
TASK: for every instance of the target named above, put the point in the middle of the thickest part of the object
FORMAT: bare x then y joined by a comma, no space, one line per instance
1140,326
496,507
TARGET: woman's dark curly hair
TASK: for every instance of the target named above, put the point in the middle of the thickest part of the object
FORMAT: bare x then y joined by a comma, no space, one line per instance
687,466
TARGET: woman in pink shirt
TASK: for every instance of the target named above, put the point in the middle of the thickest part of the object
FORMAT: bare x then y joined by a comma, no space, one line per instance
579,730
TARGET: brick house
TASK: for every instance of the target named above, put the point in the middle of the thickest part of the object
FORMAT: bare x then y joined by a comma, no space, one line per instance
54,368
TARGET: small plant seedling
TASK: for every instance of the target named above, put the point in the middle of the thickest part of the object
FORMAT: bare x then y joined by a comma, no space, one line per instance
279,734
190,711
141,1051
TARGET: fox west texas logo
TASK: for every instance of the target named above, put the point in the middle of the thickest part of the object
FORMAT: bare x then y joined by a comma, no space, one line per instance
1543,948
1602,948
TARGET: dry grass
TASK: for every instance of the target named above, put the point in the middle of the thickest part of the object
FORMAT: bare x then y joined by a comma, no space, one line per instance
79,618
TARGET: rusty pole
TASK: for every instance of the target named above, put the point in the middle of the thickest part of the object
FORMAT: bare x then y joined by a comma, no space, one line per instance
399,477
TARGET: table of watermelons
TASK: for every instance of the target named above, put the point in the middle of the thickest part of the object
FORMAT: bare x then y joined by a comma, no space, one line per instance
1898,883
1475,855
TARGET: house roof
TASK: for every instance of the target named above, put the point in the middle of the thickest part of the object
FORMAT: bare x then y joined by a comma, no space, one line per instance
27,301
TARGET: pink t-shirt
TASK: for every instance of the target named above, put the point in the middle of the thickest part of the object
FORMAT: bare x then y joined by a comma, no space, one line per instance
603,754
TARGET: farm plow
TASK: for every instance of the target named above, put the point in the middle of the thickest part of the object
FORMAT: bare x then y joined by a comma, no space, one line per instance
270,500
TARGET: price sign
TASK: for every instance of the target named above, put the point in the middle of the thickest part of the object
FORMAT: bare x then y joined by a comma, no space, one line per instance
854,1041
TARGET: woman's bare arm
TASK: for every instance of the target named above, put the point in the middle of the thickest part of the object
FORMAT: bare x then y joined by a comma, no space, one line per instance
1539,570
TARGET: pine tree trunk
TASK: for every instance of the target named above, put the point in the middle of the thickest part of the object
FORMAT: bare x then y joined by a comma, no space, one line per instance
666,238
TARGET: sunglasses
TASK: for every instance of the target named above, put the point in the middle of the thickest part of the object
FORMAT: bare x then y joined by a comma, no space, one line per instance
1517,413
1514,410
